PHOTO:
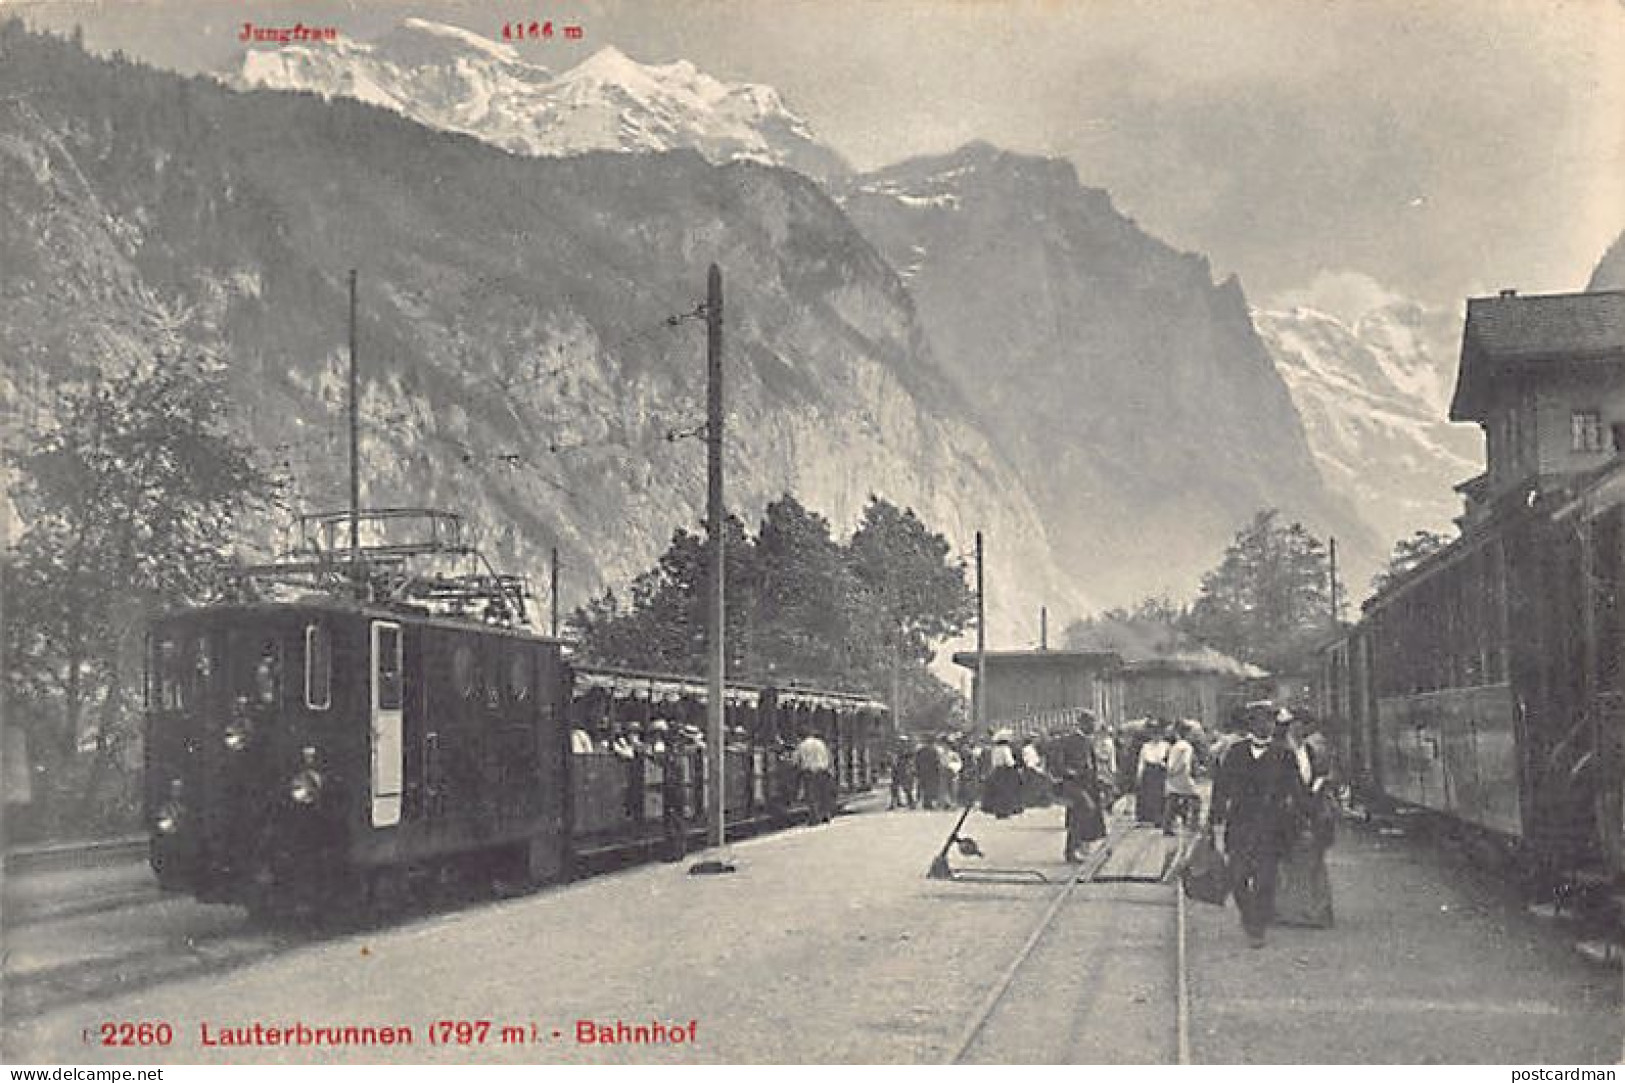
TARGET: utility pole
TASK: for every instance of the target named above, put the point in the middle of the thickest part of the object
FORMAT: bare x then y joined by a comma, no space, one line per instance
714,526
1332,550
980,706
355,452
553,589
1043,627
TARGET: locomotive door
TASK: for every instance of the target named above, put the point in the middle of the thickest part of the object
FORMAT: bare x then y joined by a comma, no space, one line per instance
388,746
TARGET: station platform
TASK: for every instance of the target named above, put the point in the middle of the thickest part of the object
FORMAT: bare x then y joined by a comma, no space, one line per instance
830,944
1428,961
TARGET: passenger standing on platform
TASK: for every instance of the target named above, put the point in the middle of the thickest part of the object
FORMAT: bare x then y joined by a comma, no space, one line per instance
1256,801
902,774
674,790
1181,802
1303,890
1106,765
1085,823
813,764
1001,793
1036,785
952,765
1150,776
928,769
974,775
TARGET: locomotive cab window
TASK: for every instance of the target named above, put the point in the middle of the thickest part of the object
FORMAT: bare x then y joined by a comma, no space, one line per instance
389,666
318,667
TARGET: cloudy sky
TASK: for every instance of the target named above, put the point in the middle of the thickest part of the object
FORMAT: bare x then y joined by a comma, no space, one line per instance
1440,148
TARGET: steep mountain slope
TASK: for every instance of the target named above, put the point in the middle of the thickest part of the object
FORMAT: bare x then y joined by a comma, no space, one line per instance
519,360
1131,387
1126,387
1374,396
451,78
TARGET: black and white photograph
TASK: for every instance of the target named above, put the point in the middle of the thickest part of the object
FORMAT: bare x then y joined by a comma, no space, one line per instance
781,532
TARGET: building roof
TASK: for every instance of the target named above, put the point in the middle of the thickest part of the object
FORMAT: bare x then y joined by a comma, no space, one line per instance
1509,332
1103,659
1204,661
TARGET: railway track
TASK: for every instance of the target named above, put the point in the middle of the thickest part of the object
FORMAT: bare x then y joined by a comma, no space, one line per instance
1082,987
76,854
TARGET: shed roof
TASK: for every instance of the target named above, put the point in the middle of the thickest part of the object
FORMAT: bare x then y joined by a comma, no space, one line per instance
1102,659
1510,332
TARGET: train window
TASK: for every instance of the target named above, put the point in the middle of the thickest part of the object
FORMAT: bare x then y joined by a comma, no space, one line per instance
318,667
463,670
519,676
389,666
1587,433
166,688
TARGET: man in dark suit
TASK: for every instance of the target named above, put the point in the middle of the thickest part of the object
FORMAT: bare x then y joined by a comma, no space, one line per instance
1256,795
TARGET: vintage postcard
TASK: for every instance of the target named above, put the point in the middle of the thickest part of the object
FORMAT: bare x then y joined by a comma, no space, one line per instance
779,532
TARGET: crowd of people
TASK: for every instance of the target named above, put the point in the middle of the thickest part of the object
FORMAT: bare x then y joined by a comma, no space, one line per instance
1008,776
1272,813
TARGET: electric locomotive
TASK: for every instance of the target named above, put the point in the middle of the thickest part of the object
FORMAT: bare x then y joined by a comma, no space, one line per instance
382,723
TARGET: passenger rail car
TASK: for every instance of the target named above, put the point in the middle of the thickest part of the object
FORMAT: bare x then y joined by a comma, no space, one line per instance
329,748
618,717
1486,685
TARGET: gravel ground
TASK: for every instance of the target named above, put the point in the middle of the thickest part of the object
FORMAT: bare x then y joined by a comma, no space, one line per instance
1426,965
828,945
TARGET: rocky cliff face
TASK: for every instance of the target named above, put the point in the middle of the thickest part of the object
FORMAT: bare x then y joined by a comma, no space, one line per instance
519,361
1127,388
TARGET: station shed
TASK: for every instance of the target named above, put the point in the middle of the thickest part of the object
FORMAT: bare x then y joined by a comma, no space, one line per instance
1195,687
1039,691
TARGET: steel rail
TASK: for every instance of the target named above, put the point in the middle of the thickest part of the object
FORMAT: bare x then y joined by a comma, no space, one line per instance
1085,872
75,854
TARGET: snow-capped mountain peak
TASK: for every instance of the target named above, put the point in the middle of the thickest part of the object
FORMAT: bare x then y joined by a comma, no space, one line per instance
420,41
1372,384
451,78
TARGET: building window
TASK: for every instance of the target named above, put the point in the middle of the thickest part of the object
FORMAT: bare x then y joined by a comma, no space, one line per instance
1588,433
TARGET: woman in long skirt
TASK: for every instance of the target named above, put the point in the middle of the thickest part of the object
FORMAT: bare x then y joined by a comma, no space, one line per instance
1303,891
1153,774
1001,796
1036,786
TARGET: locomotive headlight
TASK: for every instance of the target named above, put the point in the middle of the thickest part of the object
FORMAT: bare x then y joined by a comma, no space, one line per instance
305,788
168,820
238,731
